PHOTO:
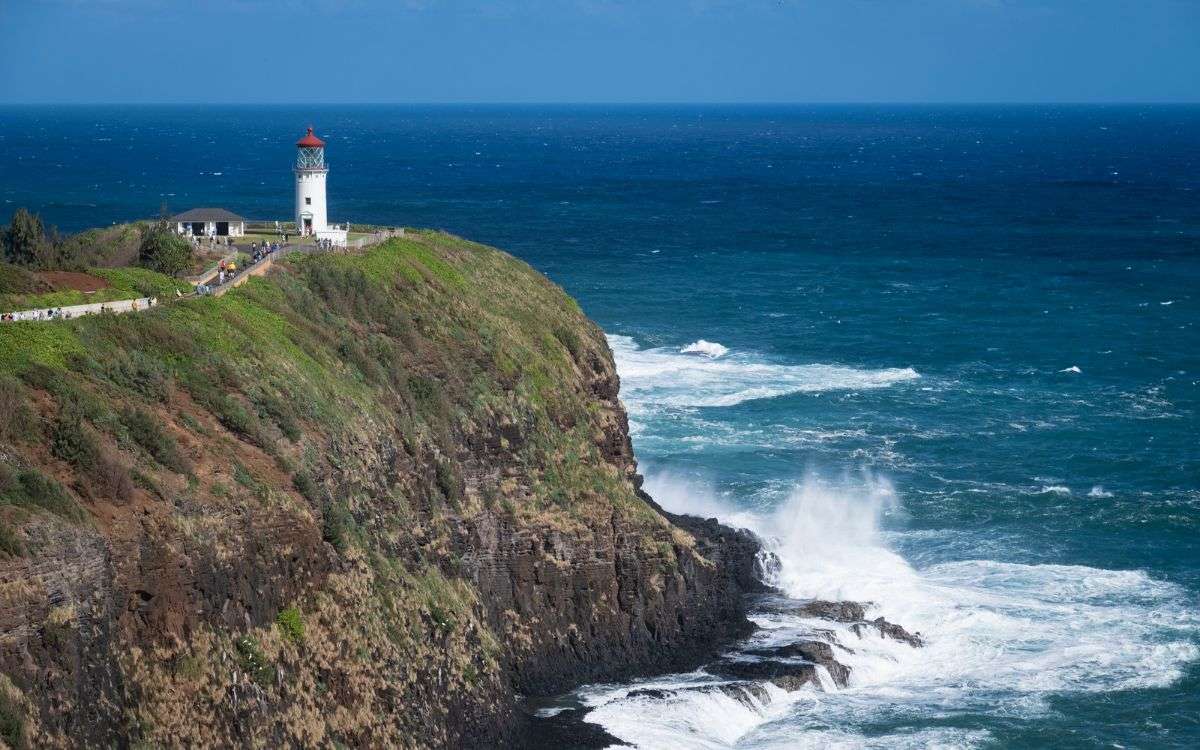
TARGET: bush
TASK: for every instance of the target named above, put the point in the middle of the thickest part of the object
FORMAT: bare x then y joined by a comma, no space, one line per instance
271,406
17,420
307,488
254,662
291,623
149,434
164,251
12,720
29,488
10,544
77,445
25,239
336,525
140,373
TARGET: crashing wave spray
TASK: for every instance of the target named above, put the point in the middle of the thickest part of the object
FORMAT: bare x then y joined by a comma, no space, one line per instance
999,635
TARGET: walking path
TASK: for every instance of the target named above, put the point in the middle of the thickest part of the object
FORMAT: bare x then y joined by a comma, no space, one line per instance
200,281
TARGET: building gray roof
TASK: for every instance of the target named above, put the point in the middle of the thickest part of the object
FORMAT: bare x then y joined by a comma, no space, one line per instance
207,214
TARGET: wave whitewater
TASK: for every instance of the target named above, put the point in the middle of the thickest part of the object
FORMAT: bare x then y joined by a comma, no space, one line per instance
671,377
1000,637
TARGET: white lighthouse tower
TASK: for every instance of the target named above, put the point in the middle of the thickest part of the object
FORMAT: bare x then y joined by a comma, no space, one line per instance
310,172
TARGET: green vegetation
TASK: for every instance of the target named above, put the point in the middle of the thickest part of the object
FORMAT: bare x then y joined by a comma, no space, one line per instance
101,473
10,544
28,242
291,624
389,400
124,283
17,280
12,718
163,250
253,662
25,240
146,430
31,489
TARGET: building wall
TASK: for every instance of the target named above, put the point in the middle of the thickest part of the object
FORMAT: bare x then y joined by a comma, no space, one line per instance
311,184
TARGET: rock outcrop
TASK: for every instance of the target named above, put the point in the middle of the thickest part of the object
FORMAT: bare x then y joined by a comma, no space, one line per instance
369,500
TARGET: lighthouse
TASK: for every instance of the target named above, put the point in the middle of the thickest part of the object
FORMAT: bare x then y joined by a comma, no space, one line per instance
310,172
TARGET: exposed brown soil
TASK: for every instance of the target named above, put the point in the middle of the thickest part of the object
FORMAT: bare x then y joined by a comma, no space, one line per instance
81,282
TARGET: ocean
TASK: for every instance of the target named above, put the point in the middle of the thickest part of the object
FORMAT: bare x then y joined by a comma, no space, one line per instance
943,359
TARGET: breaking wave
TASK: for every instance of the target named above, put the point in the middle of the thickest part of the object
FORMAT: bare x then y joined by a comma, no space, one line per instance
671,377
1001,637
707,348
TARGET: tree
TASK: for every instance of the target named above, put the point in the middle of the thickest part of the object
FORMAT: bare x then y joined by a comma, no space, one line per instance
25,239
163,250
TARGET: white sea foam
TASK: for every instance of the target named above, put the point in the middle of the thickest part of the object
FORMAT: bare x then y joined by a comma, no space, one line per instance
707,348
1099,491
667,377
1054,489
1073,369
1001,637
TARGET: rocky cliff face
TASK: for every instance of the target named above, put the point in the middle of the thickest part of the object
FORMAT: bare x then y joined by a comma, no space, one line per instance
367,501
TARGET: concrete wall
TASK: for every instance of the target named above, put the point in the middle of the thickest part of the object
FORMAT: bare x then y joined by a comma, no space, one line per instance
75,311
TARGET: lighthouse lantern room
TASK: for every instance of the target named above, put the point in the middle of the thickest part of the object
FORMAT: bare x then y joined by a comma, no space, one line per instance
311,171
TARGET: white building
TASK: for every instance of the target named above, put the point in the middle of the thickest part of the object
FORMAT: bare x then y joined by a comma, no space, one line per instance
209,222
311,171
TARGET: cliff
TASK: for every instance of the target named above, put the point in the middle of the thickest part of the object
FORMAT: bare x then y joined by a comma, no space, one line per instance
369,500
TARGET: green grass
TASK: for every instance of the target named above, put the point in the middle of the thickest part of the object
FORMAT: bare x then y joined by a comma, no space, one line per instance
126,283
291,623
31,489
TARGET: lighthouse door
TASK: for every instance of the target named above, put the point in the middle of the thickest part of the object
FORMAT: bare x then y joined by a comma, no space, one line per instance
308,225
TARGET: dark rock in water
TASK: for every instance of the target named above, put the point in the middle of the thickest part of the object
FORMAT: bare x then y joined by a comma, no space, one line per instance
742,692
889,630
836,611
653,693
787,675
566,731
817,652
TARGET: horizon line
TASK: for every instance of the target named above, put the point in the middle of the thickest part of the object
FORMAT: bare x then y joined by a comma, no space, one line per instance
647,103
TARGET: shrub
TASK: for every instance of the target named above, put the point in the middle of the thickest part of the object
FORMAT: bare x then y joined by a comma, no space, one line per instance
140,373
29,488
254,662
291,623
149,434
12,719
10,544
77,445
25,239
164,251
336,525
569,339
307,487
271,406
17,420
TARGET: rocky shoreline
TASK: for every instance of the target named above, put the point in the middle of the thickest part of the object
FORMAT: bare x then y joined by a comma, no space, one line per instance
741,672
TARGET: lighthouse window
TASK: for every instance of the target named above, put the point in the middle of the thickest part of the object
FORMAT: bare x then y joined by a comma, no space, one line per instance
307,201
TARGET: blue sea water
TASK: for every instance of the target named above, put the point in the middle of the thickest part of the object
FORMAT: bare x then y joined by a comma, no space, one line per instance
946,359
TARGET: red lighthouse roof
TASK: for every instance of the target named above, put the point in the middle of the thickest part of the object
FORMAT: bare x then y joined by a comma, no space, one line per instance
310,141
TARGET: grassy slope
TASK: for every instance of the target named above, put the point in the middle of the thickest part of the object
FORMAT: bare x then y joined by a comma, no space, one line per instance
125,283
252,396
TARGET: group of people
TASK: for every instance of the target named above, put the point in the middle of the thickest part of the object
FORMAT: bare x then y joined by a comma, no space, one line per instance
59,313
213,241
258,252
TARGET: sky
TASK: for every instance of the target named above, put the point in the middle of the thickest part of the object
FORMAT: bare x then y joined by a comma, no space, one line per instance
638,51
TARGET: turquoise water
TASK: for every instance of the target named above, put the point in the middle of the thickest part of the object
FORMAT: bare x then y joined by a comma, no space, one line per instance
945,359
